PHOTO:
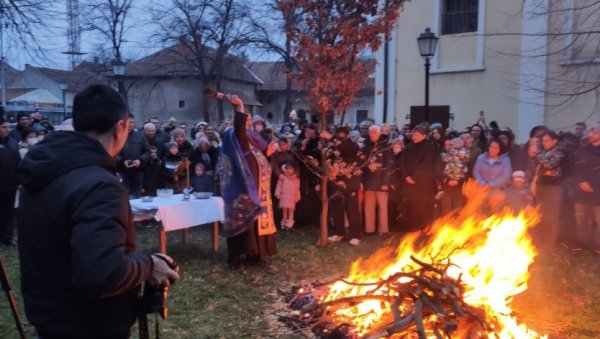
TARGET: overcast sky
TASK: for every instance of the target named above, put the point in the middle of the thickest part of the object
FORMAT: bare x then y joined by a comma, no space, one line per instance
53,38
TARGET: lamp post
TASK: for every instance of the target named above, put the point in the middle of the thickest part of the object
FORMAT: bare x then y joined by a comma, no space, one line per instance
427,43
119,72
63,88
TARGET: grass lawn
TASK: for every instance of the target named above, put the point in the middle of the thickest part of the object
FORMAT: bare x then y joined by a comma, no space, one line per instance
211,301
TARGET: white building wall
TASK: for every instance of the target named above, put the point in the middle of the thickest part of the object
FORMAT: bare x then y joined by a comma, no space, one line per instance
496,72
470,72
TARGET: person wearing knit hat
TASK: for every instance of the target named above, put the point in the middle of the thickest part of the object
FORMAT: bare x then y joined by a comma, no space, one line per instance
205,153
185,147
519,175
201,139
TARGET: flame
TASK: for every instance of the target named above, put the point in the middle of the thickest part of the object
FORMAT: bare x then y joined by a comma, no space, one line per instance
491,253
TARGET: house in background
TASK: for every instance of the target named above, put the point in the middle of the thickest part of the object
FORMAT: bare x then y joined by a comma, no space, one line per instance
167,84
272,94
52,90
496,56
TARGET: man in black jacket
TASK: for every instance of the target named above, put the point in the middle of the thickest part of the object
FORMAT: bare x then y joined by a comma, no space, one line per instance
80,269
9,160
347,184
134,155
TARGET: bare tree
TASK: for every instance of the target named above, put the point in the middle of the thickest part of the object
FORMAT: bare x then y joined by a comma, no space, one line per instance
569,45
276,41
25,23
209,31
109,19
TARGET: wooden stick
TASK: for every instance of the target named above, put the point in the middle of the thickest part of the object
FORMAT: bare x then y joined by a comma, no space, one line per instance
400,325
419,319
187,173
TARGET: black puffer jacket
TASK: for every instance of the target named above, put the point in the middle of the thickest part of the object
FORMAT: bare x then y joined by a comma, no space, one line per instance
9,160
80,271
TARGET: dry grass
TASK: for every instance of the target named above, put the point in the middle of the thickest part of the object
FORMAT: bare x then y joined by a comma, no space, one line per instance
212,301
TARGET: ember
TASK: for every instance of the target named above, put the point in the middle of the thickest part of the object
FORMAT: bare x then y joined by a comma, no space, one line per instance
457,278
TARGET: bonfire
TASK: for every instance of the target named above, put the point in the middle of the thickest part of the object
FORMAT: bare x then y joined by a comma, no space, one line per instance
457,278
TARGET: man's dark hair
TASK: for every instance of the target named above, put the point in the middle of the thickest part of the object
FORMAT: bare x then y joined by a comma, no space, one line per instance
97,109
537,129
551,134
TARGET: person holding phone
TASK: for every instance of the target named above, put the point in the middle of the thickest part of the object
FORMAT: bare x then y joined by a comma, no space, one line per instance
134,155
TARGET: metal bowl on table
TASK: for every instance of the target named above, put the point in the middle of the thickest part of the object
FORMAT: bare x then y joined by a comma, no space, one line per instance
203,195
164,192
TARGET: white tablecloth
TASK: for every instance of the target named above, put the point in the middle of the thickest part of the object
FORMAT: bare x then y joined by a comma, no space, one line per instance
177,214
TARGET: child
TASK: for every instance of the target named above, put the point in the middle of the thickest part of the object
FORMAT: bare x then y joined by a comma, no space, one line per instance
288,193
202,181
456,160
171,167
518,194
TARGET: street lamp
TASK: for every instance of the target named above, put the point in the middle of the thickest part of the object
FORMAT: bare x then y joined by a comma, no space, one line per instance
63,88
427,43
119,72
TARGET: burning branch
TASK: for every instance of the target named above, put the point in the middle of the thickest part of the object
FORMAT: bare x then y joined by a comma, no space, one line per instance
423,301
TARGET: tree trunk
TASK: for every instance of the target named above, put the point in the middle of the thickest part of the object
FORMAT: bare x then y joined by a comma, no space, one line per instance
220,112
205,103
324,198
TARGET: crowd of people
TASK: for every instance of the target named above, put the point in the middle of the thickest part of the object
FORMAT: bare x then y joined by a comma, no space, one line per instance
382,178
76,238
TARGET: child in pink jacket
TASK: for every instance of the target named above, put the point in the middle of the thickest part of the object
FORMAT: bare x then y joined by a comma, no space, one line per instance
288,193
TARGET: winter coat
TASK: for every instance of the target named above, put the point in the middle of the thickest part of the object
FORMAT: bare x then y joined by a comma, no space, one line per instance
349,154
185,149
377,156
80,268
170,164
518,198
288,191
9,160
456,163
395,171
549,166
203,183
153,176
494,173
419,161
210,163
587,169
136,148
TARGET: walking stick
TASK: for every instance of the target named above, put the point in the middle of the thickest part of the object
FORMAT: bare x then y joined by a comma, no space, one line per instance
11,300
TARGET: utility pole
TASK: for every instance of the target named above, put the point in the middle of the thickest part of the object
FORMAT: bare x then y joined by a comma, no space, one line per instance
2,71
73,34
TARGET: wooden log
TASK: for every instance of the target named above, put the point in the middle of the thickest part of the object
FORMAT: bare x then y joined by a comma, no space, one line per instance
400,325
419,319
